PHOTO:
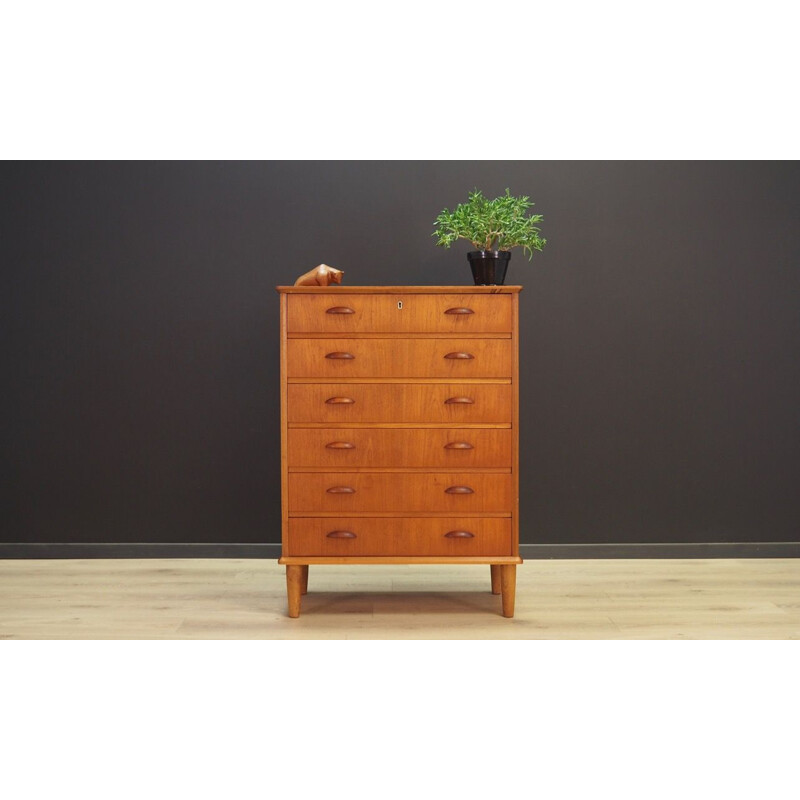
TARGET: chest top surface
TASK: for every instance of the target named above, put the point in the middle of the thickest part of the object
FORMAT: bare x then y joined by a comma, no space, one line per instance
398,289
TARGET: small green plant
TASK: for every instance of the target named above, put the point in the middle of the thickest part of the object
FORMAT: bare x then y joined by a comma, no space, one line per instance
498,224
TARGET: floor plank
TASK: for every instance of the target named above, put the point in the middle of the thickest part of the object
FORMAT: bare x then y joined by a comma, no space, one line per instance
245,599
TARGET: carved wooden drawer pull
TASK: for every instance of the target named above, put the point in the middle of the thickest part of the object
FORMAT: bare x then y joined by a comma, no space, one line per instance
459,311
340,446
460,356
459,490
340,310
464,401
343,356
341,490
341,535
342,401
455,446
457,535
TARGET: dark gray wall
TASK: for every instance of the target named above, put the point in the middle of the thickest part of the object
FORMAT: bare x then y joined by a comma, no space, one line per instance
660,329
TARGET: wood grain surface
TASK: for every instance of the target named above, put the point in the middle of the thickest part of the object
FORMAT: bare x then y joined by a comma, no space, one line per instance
399,536
453,492
399,313
246,599
447,448
455,359
399,403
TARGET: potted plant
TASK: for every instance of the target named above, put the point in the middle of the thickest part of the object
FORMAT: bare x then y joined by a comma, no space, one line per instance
494,227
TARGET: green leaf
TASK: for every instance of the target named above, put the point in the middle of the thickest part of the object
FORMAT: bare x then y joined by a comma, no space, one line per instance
501,223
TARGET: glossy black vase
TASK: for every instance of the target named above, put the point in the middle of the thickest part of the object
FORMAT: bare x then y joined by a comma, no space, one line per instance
489,266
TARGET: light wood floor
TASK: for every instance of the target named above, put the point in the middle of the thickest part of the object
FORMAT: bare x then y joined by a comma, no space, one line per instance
245,599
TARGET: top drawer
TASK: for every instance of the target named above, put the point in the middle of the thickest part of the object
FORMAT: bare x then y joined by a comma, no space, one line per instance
339,312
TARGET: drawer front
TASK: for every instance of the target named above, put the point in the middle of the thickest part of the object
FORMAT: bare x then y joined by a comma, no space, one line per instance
433,448
457,359
397,313
452,403
391,491
408,536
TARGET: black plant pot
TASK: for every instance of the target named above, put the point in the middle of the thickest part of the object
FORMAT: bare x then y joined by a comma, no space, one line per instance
489,266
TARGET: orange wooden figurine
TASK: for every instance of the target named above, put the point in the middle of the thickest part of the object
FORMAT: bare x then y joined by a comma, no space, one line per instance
321,275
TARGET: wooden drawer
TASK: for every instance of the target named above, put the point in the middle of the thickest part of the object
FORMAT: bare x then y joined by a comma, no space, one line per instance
457,359
454,492
405,536
339,312
452,403
452,448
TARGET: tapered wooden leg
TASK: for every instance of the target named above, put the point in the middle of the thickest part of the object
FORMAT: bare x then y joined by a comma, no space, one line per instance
495,568
508,584
294,587
305,579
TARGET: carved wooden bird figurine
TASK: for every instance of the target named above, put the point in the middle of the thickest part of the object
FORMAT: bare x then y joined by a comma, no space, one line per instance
321,275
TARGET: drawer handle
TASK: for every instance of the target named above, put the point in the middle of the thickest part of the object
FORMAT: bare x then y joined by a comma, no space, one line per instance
457,446
459,401
340,310
459,311
340,446
459,490
341,490
457,535
341,535
460,356
343,356
341,401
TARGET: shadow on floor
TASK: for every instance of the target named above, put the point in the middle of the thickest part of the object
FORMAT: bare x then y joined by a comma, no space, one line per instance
406,602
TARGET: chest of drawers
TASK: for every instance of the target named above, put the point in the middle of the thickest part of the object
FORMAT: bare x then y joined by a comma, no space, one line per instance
399,429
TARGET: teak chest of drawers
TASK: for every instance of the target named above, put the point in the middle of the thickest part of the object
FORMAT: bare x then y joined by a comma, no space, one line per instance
399,429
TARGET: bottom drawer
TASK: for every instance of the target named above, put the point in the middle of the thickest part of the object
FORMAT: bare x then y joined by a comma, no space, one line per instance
393,536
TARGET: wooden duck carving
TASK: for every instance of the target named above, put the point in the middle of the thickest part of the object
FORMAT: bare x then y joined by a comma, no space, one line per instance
321,275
